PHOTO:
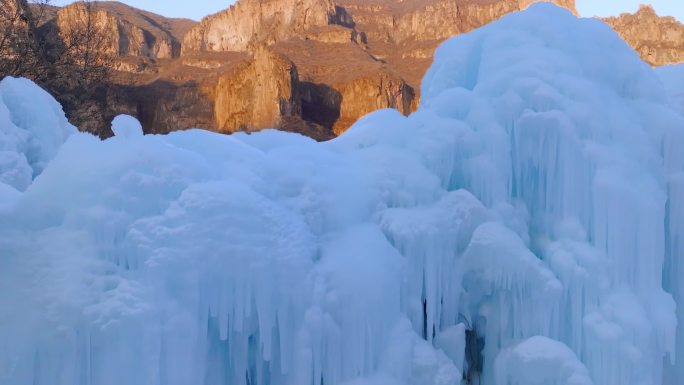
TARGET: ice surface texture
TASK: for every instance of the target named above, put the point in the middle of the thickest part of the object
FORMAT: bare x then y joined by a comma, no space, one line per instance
126,126
673,79
524,227
32,128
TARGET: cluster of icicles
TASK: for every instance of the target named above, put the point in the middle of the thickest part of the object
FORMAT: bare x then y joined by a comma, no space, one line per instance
524,226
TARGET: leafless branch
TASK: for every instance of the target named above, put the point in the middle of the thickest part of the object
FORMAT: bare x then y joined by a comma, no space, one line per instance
68,52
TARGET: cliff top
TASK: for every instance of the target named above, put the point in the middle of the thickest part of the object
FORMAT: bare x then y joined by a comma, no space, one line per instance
659,40
645,11
149,21
146,20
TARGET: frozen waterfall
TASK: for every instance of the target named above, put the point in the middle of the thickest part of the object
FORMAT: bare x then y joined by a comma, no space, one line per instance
524,227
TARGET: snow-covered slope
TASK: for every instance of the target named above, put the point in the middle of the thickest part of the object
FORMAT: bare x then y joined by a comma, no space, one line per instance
525,226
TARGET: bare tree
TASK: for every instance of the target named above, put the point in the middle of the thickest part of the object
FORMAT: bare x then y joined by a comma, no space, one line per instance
81,62
57,53
20,53
85,44
69,53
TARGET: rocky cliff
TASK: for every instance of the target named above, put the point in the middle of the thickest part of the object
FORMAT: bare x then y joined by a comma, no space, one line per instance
251,22
261,92
310,66
134,37
353,57
659,40
433,20
269,21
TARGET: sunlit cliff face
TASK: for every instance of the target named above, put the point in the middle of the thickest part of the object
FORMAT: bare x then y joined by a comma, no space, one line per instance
658,40
350,58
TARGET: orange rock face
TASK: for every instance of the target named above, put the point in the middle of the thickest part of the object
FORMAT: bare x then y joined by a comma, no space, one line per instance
134,38
258,93
659,40
352,57
258,22
309,66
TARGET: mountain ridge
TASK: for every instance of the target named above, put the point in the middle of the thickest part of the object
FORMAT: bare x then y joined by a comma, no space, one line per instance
350,57
659,40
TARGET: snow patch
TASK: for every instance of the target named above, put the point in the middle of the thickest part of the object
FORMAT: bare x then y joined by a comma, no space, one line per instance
126,126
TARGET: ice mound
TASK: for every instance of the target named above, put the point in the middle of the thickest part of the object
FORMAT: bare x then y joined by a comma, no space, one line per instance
32,128
126,126
524,226
540,361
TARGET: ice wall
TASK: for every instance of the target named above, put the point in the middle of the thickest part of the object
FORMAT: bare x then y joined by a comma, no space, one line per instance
32,128
583,141
523,227
672,77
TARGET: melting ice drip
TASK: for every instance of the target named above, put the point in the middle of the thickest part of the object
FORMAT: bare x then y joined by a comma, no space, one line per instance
523,227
